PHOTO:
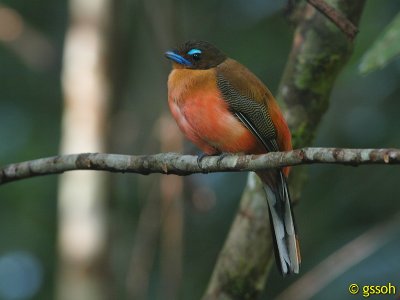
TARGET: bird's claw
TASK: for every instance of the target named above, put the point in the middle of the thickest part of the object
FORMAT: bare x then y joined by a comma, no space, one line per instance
221,157
200,158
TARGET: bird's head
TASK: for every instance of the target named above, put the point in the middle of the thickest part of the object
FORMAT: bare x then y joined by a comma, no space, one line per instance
198,55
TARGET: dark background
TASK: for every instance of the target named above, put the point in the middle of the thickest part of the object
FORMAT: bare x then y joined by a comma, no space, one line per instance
338,203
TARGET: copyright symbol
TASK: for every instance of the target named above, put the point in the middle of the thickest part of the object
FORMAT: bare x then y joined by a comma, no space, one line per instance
354,289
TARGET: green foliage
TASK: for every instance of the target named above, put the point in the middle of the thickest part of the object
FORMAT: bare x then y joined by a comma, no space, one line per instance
385,48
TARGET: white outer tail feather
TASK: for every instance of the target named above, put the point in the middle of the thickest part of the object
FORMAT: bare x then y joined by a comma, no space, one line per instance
284,228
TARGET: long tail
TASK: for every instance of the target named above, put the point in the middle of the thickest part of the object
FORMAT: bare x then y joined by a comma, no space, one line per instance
286,245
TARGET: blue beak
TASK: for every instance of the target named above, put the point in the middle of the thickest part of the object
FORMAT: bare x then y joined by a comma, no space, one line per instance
177,58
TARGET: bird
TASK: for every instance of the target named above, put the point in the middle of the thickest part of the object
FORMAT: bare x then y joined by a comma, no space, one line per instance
222,107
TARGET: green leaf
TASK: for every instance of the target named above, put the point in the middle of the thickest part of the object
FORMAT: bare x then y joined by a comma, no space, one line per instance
385,48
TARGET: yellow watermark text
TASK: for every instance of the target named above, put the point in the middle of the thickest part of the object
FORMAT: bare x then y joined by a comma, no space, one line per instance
370,290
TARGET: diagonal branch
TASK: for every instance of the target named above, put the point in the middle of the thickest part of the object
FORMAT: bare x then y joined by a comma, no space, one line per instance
342,260
174,163
343,23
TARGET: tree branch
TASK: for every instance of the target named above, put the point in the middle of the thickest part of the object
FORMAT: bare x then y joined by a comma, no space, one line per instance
174,163
336,17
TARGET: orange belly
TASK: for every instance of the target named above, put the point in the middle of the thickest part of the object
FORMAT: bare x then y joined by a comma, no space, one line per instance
204,117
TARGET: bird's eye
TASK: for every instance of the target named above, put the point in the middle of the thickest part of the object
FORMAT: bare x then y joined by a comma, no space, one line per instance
196,56
195,53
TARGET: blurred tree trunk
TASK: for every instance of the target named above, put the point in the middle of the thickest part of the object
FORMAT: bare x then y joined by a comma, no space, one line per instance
319,52
82,209
171,188
165,224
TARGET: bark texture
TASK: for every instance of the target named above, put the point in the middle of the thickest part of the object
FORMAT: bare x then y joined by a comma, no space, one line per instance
174,163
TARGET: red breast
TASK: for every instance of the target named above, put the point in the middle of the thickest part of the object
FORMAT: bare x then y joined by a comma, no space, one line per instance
201,113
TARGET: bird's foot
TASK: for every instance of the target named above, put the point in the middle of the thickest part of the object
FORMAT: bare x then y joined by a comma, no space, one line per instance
219,159
201,157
